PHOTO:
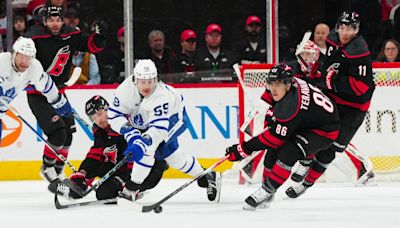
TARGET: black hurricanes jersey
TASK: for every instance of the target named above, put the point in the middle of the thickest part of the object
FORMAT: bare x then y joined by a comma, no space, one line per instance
354,84
55,52
107,149
303,108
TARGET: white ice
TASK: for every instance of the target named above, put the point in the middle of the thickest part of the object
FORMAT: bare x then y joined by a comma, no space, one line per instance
27,204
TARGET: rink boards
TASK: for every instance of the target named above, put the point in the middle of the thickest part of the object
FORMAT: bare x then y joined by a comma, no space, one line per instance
213,113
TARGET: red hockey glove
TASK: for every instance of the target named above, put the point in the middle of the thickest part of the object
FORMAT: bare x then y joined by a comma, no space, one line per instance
79,179
236,152
330,76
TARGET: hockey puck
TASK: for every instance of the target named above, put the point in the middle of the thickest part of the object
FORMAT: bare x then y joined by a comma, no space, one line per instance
158,209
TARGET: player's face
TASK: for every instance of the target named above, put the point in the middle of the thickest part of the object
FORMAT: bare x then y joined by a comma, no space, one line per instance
308,57
391,51
213,39
100,118
278,89
146,86
346,33
22,62
54,24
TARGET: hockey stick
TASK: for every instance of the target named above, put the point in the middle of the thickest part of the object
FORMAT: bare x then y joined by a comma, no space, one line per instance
104,178
254,109
94,202
300,48
306,37
148,208
60,156
74,76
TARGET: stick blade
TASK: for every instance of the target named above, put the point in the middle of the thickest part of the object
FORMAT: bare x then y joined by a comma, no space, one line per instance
74,76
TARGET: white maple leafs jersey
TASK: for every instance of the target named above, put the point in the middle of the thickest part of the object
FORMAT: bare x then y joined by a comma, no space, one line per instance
13,82
158,115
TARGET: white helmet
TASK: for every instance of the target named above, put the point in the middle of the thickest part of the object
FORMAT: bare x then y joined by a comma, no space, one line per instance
25,46
145,69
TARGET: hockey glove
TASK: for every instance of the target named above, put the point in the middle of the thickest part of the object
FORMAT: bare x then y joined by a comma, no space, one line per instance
136,150
78,178
130,133
100,28
236,152
61,106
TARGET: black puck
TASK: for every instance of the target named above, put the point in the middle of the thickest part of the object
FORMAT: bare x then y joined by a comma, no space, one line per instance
158,209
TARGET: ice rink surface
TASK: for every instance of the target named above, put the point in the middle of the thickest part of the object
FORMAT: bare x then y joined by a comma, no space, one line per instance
28,204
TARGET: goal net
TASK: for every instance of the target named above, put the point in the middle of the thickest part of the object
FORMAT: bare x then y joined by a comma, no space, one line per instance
377,138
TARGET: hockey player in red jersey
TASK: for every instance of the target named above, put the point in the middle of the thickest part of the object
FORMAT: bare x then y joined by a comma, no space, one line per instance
347,79
56,43
304,123
308,67
106,152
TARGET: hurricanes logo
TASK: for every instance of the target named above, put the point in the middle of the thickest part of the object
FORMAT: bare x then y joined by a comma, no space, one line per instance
11,129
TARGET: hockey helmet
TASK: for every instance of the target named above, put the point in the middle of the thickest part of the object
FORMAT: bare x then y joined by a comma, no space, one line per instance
25,46
312,48
95,104
281,72
54,11
145,69
349,18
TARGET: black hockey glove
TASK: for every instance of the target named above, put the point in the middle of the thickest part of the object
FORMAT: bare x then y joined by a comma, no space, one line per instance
236,152
100,28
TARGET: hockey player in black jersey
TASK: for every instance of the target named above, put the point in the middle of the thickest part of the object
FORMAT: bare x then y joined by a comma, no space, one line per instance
107,151
347,79
308,66
304,122
56,43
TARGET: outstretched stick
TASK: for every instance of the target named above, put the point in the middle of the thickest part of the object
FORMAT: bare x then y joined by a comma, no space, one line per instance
148,208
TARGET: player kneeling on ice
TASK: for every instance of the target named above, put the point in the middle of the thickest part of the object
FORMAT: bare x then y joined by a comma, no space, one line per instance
19,69
106,151
151,115
304,123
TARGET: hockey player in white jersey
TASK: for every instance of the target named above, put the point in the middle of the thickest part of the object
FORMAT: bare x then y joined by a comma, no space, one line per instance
19,69
151,115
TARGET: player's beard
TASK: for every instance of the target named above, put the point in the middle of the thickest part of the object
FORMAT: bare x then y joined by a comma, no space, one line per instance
55,30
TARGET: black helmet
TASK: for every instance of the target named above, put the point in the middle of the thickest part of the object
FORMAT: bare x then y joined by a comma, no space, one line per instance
281,72
95,104
349,18
54,11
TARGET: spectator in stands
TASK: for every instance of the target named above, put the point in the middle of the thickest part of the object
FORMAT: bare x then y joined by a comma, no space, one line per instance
121,38
183,64
34,12
90,69
321,31
161,54
252,48
19,25
286,44
213,57
71,17
389,51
